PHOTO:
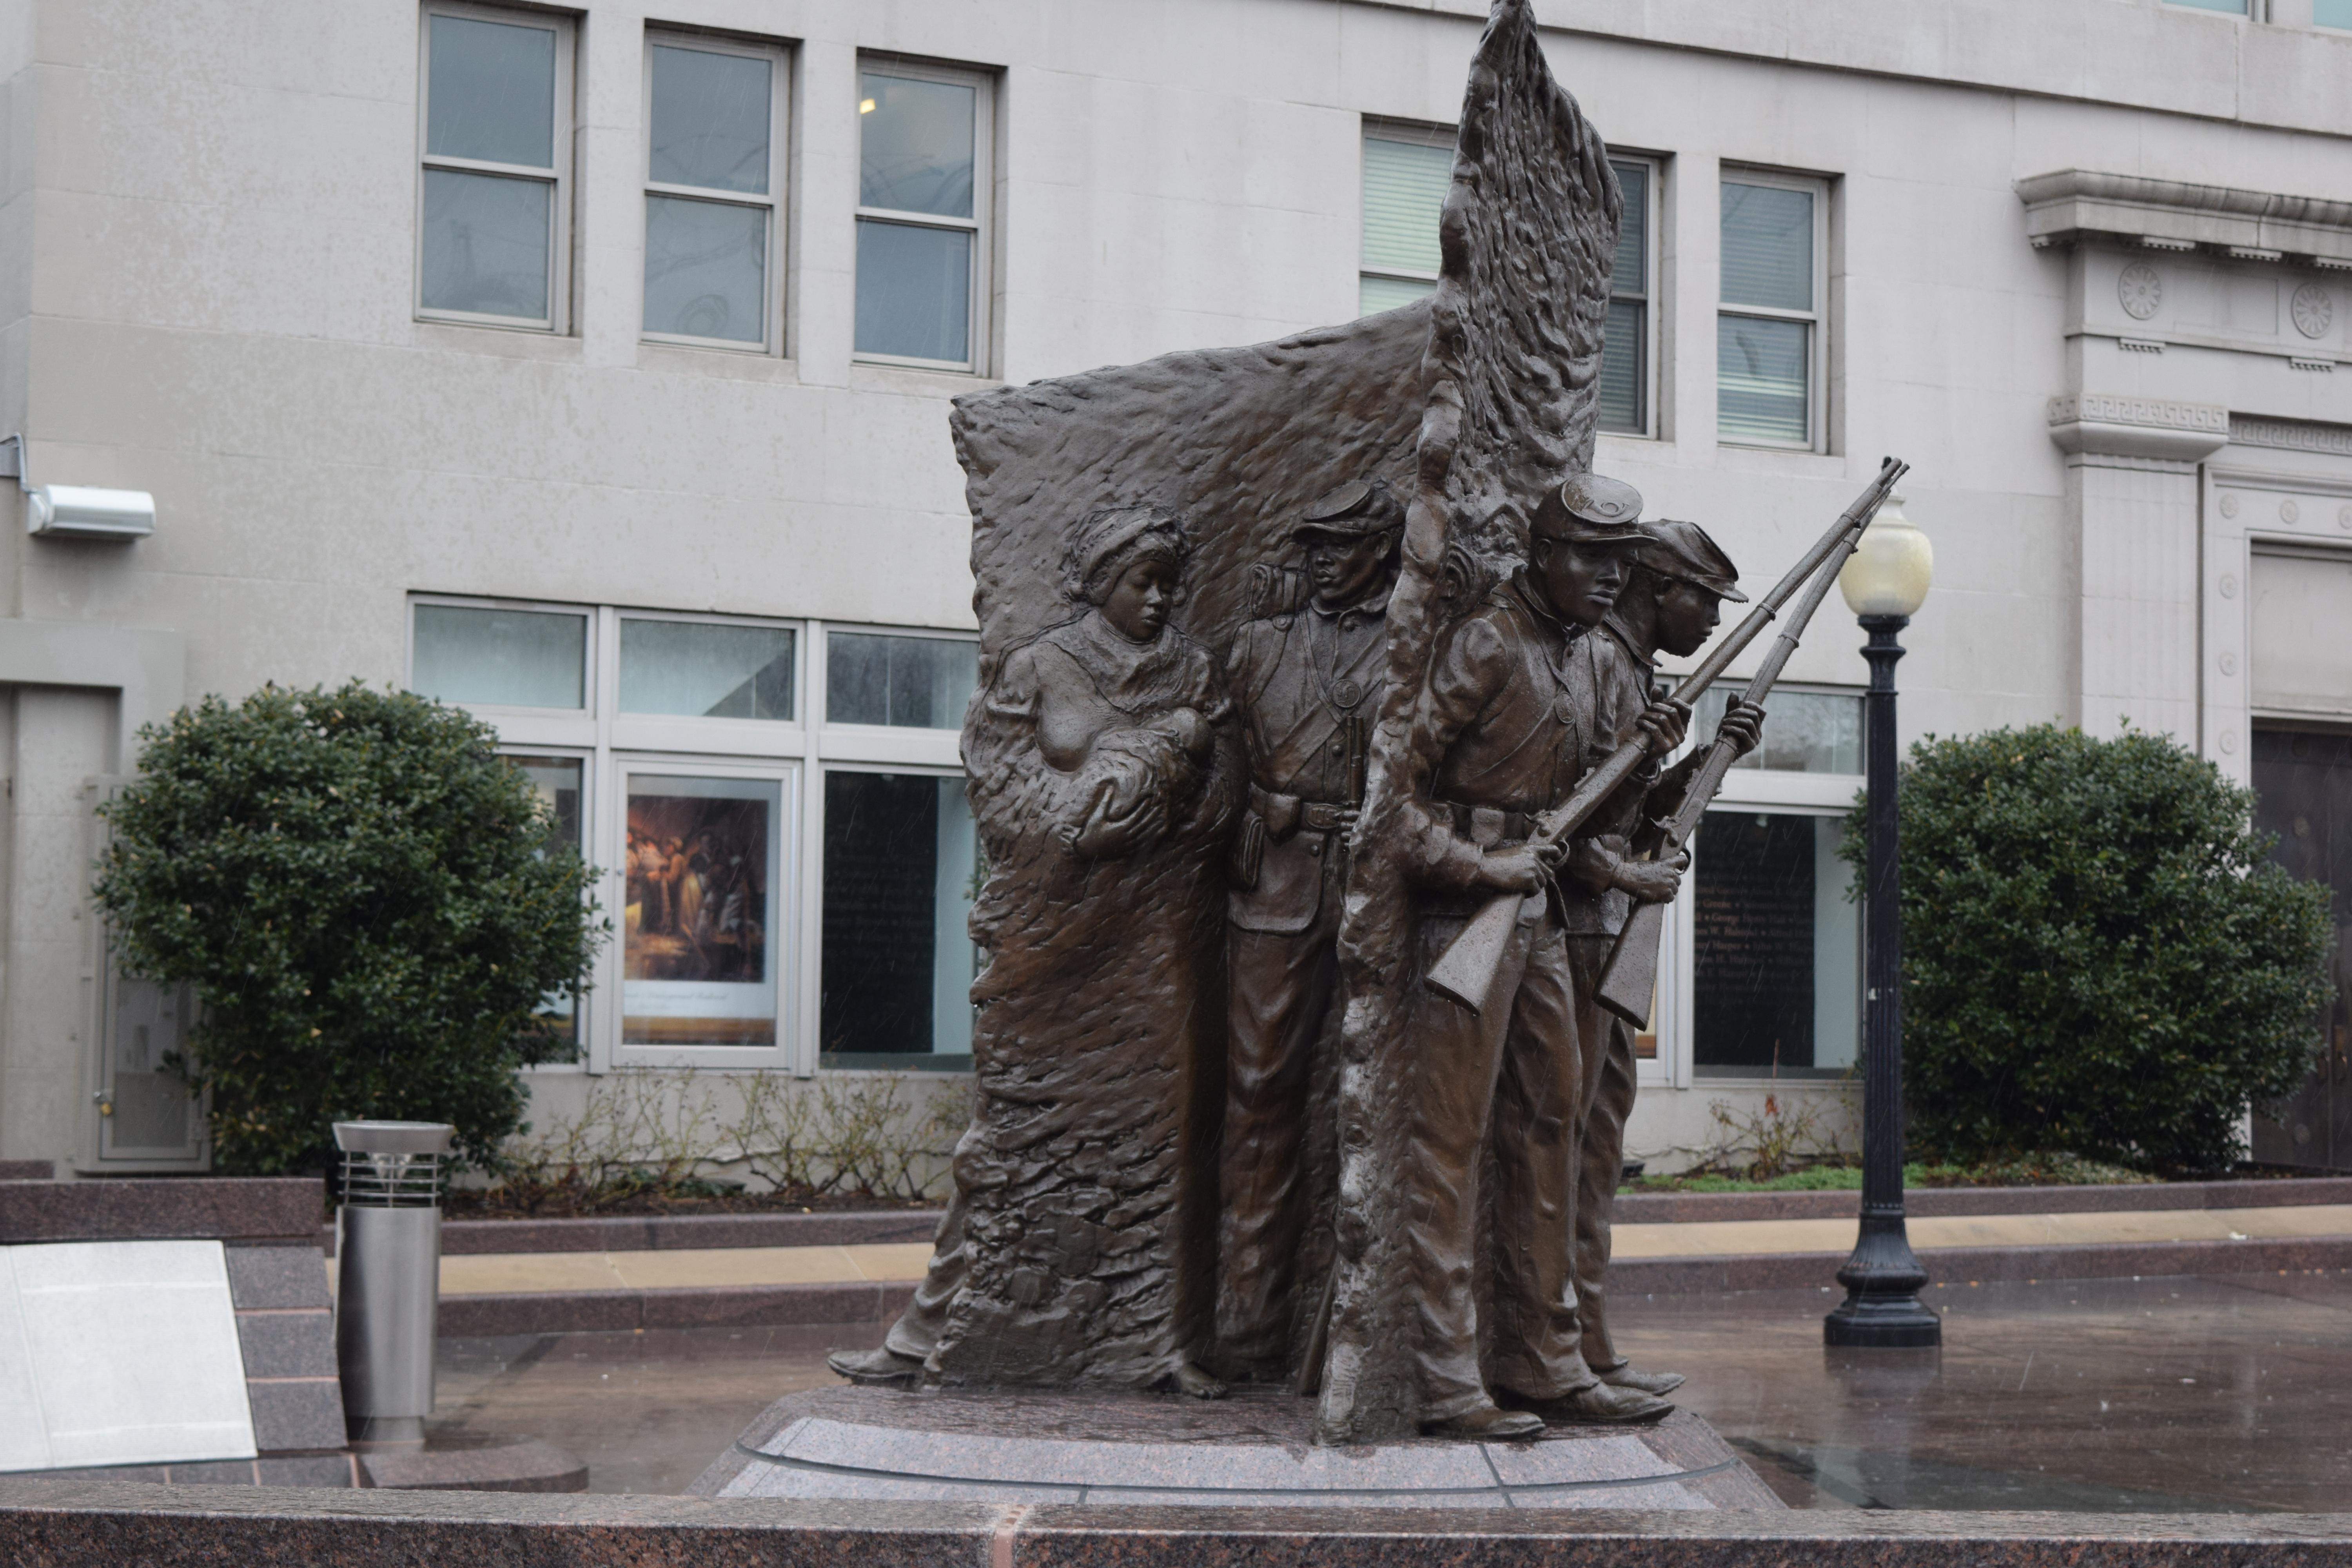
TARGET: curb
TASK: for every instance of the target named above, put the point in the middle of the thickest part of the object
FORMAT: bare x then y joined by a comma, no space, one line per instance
803,1306
1920,1203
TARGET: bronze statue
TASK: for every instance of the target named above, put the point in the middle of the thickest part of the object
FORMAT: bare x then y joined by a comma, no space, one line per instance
1671,603
1309,679
1064,1258
1238,1109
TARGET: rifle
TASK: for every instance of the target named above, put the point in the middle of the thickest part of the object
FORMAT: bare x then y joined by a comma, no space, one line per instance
1465,969
1630,979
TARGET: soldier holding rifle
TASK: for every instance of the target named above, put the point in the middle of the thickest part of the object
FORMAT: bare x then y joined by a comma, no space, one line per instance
1501,733
1671,604
1308,681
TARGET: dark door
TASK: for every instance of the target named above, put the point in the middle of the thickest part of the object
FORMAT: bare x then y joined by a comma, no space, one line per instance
2302,785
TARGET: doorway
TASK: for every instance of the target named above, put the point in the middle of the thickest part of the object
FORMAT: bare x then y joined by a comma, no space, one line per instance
2302,788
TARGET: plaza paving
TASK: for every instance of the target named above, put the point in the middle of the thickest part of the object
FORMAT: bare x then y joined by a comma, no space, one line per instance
2229,1392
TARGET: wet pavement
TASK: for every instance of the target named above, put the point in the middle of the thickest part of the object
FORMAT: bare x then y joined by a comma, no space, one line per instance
2230,1393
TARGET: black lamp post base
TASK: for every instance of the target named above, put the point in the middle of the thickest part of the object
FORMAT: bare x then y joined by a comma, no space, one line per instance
1883,1322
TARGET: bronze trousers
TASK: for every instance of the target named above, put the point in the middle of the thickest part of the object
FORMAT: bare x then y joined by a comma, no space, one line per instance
917,1332
1609,1088
1280,991
1509,1073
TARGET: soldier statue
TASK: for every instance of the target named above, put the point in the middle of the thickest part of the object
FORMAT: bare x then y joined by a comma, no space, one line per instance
1309,679
1503,732
1671,603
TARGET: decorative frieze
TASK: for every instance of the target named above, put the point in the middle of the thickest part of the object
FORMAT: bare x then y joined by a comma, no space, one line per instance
2069,204
2290,434
2142,429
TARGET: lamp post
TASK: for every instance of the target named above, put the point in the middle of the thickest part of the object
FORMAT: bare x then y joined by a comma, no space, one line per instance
1885,582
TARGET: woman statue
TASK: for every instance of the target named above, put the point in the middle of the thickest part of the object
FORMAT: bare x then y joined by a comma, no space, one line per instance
1105,776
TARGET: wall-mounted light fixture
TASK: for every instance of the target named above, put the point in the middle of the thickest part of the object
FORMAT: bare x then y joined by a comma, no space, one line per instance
75,511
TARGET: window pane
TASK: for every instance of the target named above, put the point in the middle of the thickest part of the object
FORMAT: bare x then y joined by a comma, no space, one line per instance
486,244
707,671
916,683
1621,380
492,93
915,144
698,955
706,269
901,870
711,117
500,658
1805,731
1374,295
1760,380
1630,273
1767,247
557,780
1779,946
2234,7
914,291
2331,13
1405,192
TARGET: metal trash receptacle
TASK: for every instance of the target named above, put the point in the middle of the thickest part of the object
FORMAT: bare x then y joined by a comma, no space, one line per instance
388,1269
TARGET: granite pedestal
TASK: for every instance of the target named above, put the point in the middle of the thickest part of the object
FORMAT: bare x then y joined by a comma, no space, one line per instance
1250,1450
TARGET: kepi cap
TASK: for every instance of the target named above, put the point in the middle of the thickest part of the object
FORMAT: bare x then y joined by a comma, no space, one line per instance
1350,512
1590,509
1683,549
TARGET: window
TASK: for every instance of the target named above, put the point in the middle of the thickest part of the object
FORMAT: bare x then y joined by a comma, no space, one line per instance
923,215
2234,7
1406,172
782,892
902,868
499,655
714,120
494,192
1628,373
1767,335
1772,941
2331,13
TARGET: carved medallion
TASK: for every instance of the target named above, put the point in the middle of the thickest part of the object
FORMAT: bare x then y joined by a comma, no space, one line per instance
1346,693
2313,310
2229,506
2290,512
2140,290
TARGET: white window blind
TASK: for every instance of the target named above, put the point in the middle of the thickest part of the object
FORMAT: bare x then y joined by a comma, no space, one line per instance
1767,332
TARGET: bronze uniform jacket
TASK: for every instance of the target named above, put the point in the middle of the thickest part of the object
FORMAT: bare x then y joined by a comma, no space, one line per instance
1301,748
1503,724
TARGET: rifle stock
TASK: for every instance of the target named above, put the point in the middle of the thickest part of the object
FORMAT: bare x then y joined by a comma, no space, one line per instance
1465,969
1630,979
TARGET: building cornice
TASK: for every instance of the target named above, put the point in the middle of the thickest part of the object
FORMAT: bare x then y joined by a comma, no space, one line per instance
2070,206
2138,427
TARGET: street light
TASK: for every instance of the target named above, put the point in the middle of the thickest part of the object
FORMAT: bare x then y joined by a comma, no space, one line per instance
1885,582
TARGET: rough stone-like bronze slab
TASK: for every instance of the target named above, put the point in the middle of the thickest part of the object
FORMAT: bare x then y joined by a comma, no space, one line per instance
1252,1450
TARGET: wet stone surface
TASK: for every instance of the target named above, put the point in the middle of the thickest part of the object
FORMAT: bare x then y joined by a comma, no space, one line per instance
2232,1393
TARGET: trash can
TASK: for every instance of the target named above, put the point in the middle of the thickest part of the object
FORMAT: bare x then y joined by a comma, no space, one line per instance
388,1263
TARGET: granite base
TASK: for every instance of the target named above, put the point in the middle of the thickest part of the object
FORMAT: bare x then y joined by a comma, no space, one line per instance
1252,1451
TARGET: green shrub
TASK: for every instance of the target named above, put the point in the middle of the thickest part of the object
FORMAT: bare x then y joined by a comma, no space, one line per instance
2099,957
364,896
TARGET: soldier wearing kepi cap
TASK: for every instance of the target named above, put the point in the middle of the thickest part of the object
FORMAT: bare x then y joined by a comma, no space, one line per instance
1308,680
1669,604
1502,732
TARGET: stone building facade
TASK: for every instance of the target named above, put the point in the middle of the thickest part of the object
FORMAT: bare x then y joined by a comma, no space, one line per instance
590,365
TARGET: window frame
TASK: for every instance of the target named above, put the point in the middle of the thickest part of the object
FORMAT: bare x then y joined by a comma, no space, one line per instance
980,226
772,283
1652,298
1815,320
1411,134
611,745
557,322
1744,790
812,1018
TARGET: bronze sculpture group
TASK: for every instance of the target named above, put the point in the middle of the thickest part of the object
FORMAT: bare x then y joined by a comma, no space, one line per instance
1319,769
